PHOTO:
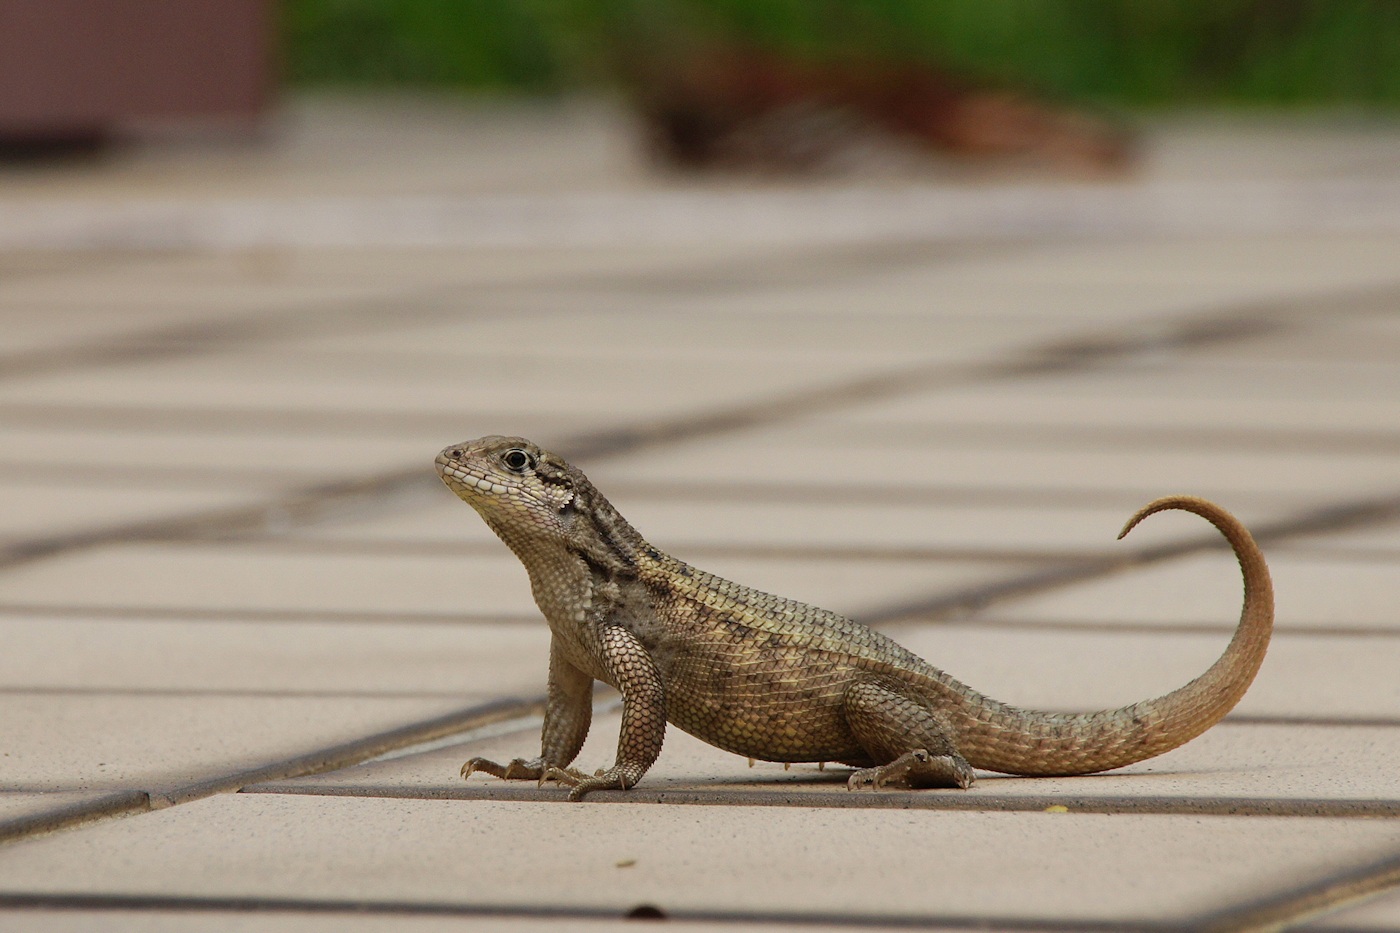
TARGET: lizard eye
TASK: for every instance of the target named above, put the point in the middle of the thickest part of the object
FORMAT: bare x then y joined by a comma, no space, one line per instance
517,460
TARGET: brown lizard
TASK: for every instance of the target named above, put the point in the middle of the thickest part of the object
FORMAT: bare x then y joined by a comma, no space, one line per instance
775,679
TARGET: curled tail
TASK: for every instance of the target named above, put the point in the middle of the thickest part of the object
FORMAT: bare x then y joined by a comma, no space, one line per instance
1003,738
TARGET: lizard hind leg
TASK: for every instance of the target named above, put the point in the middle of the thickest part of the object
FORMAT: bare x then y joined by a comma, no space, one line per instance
910,744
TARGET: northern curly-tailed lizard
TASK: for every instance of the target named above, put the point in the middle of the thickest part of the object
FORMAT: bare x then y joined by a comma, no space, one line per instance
778,680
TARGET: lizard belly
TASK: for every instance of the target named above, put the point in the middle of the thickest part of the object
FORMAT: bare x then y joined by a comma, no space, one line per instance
791,710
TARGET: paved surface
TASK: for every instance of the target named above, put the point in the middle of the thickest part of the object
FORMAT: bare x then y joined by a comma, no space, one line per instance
249,638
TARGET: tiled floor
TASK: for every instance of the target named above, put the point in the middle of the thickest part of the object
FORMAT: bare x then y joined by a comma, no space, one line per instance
249,638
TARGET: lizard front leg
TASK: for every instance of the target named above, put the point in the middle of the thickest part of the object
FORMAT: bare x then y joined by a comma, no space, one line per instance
643,714
568,711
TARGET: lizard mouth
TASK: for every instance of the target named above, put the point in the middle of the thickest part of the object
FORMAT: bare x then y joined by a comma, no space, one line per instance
459,479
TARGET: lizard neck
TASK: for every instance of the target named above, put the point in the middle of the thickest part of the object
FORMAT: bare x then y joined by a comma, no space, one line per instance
578,577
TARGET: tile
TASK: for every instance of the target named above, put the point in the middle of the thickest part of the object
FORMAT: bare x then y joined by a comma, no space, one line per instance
103,741
1126,399
227,577
479,383
1222,475
85,504
212,577
1312,590
691,859
629,321
193,658
1277,265
286,457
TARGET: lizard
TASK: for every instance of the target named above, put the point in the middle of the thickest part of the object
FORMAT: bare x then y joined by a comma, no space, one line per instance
779,680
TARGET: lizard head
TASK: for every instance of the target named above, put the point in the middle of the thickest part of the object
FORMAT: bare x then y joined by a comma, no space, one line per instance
531,497
515,485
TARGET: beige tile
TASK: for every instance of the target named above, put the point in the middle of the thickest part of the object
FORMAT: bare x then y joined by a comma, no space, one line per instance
97,741
1231,267
736,324
472,384
285,456
1128,399
220,577
696,859
1218,474
210,576
180,289
85,503
433,661
1344,591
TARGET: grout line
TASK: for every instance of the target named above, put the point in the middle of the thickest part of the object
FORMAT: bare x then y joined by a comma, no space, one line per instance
397,908
779,796
1264,719
1307,901
63,816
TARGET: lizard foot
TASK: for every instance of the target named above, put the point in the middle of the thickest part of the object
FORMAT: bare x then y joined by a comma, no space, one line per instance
915,769
615,778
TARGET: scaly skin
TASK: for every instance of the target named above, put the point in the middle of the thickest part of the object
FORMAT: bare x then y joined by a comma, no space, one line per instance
775,679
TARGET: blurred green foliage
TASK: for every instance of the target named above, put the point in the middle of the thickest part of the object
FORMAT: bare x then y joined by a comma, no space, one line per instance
1134,52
